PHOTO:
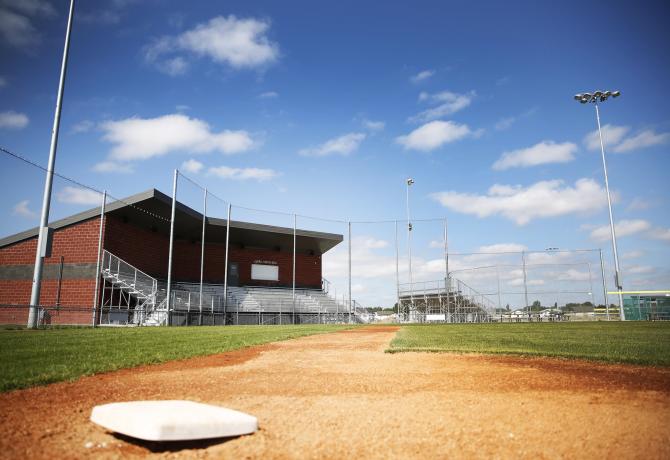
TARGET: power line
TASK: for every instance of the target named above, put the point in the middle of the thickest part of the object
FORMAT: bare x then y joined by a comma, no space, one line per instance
79,184
195,183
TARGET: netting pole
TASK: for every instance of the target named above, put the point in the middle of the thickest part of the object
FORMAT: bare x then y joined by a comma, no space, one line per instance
97,265
602,275
46,201
525,282
295,218
168,303
593,300
397,274
498,280
447,284
349,271
225,269
202,253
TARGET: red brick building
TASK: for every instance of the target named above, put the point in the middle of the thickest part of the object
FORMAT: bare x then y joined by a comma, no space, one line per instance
136,231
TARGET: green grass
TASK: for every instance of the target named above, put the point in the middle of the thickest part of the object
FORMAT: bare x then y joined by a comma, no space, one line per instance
630,342
37,357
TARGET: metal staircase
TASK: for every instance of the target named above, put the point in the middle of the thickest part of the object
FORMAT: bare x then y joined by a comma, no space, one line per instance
130,296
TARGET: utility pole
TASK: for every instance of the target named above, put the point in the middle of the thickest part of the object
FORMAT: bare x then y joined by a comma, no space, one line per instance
44,234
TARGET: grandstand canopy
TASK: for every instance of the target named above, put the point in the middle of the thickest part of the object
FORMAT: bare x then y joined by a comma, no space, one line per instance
151,210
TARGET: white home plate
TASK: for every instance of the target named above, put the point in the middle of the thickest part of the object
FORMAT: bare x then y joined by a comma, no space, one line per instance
172,420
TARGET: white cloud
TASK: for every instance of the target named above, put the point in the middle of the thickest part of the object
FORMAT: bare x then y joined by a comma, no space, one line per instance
522,204
83,126
632,255
13,120
16,21
612,135
30,7
192,166
638,204
113,167
433,135
374,126
421,76
662,234
503,247
109,13
173,66
541,153
448,103
143,138
257,174
622,227
616,139
638,269
268,95
646,138
342,145
505,123
21,209
236,42
182,107
74,195
574,275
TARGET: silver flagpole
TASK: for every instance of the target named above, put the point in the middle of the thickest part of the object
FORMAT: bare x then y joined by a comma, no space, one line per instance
46,201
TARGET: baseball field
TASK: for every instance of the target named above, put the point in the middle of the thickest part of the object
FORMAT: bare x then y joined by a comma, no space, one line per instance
496,390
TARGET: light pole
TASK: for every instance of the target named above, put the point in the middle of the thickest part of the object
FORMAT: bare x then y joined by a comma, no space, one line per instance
595,99
409,182
44,234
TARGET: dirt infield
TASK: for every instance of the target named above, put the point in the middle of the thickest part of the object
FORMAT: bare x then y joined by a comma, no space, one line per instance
339,396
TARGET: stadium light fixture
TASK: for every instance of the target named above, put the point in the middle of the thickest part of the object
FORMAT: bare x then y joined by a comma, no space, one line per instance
595,98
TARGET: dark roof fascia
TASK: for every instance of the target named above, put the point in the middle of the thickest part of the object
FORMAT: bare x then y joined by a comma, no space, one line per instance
80,217
274,229
153,193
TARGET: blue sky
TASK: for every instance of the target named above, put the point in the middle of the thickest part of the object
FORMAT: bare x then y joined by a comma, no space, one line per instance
324,110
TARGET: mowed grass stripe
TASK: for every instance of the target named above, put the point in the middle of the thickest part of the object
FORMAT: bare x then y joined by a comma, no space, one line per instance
37,357
629,342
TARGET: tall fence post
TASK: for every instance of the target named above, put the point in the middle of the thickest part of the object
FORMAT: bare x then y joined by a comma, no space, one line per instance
397,274
225,269
202,253
349,270
446,266
294,255
525,282
99,255
168,303
602,275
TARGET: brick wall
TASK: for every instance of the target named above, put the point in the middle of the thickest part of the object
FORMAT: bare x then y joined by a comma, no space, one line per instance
145,249
76,244
148,251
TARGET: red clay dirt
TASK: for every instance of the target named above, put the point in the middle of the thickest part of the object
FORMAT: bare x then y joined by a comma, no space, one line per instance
340,396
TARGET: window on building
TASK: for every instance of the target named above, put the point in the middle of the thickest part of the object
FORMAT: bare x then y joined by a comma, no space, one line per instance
264,272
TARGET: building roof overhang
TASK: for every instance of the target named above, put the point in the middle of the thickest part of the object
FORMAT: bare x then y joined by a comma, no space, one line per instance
152,210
